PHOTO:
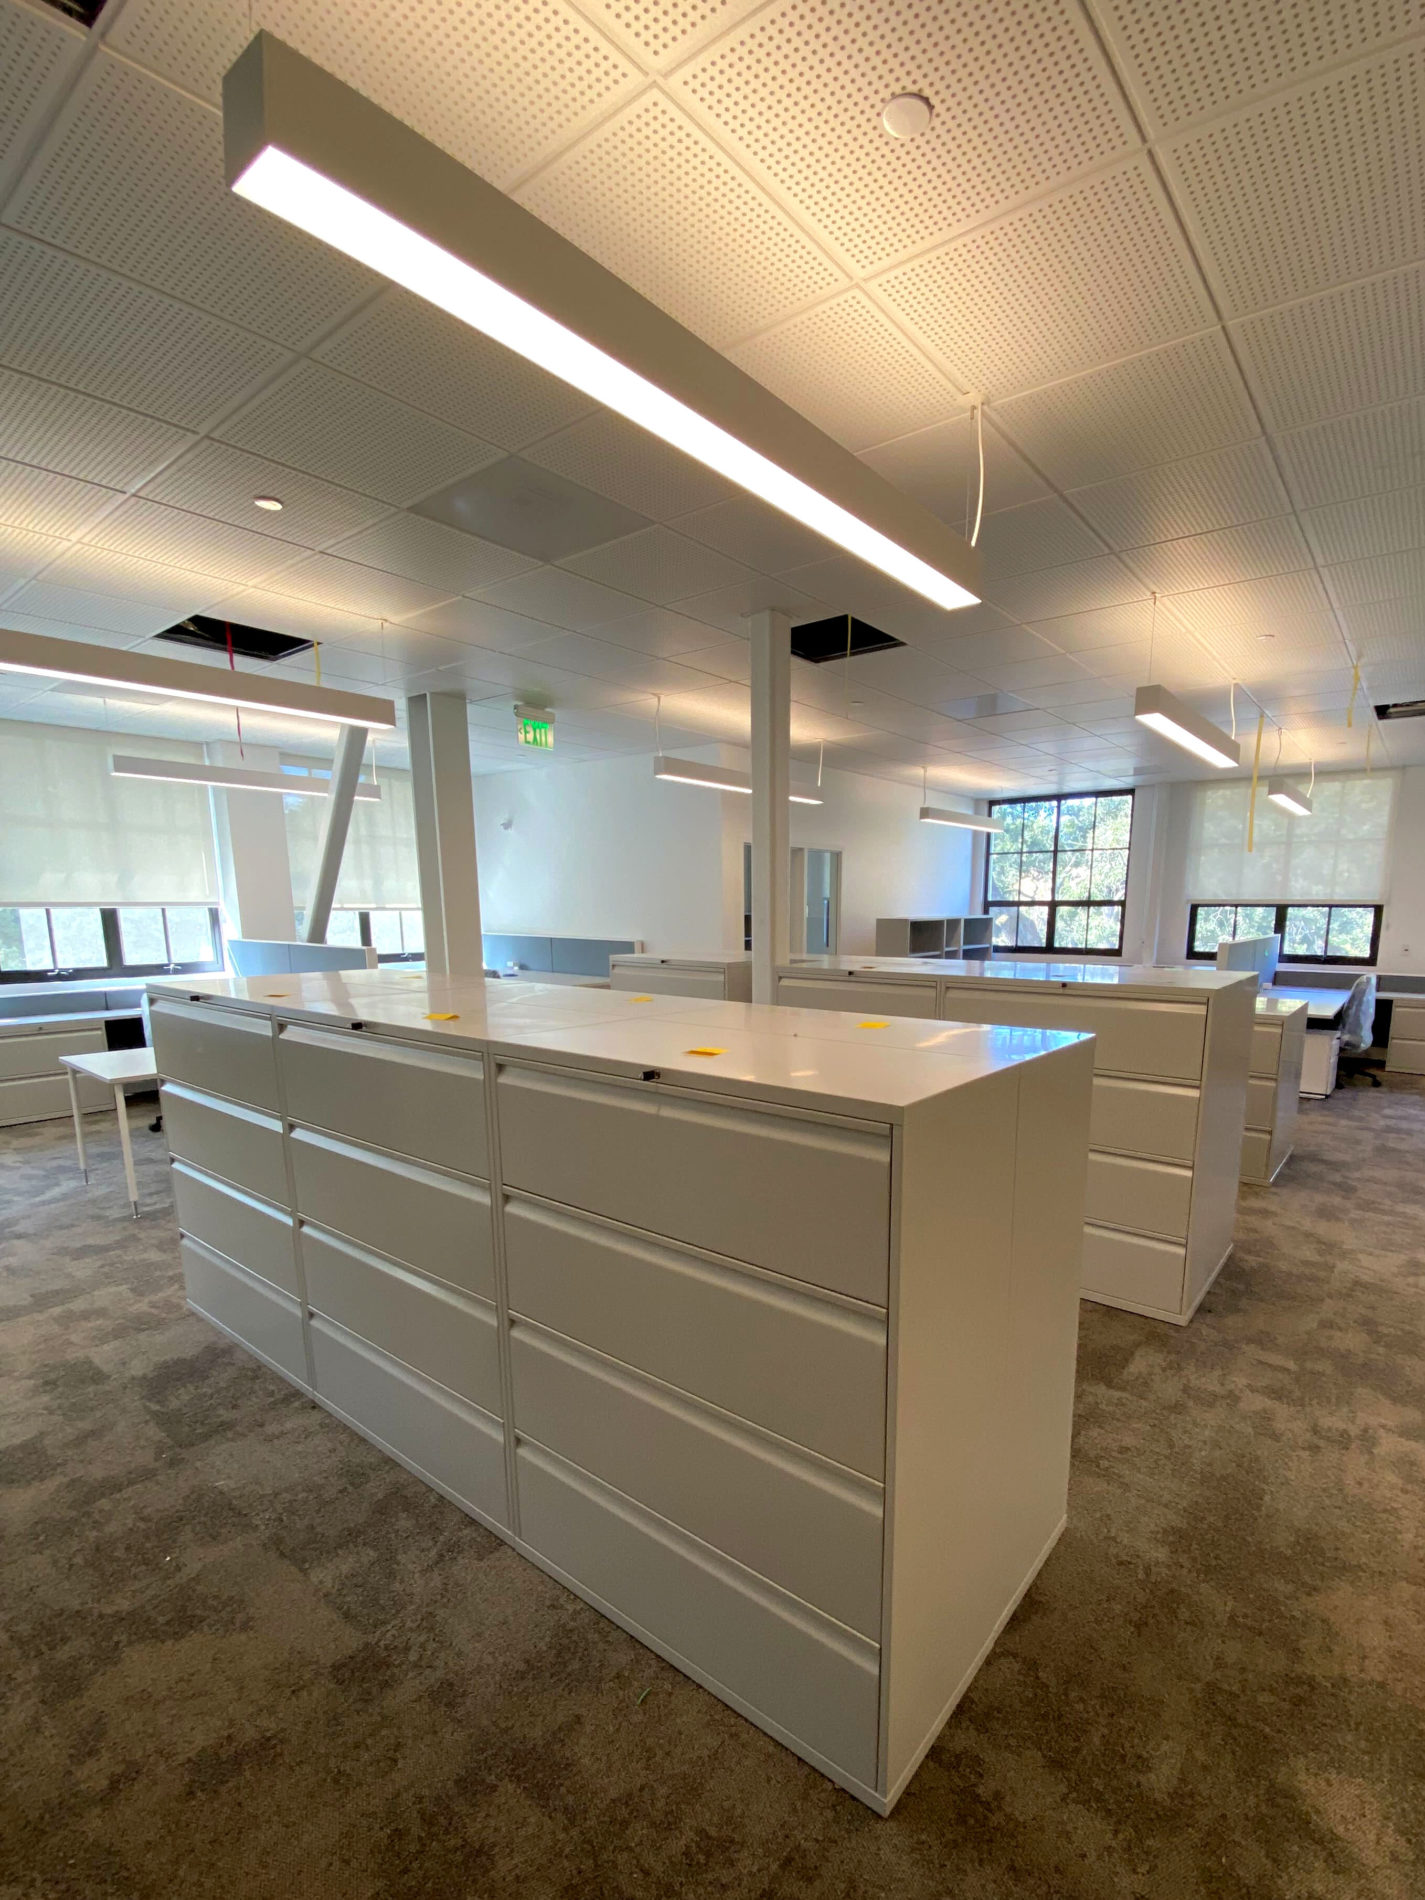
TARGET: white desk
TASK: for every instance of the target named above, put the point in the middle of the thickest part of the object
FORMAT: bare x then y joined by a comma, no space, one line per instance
1322,1006
1324,1009
114,1068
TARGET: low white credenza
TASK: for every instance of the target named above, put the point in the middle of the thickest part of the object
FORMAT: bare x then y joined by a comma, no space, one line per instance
721,978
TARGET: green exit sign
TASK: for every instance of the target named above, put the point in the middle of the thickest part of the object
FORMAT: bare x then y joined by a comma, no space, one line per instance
535,726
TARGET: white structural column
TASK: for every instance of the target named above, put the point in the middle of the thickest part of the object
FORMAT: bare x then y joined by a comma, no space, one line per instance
254,868
445,833
771,782
346,770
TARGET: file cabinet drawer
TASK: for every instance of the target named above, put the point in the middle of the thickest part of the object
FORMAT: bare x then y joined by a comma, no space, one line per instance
43,1098
449,1338
1134,1270
802,1198
1256,1155
266,1321
1266,1048
39,1054
851,993
258,1237
795,1364
237,1144
219,1051
1261,1101
1161,1041
656,982
795,1667
811,1532
431,1221
1149,1196
1144,1118
418,1102
442,1438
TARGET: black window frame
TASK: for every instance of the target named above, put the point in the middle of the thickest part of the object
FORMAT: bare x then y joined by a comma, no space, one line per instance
362,914
113,944
1053,905
1279,927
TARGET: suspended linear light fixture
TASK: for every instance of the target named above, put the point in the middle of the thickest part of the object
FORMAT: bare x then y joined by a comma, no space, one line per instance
718,778
966,820
1281,792
232,778
319,155
155,673
1156,708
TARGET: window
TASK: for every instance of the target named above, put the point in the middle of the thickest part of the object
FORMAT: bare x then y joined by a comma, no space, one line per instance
378,866
1057,875
1339,855
397,936
1310,933
40,942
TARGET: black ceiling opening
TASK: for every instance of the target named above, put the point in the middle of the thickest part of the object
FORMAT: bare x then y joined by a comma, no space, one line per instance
86,12
252,643
823,640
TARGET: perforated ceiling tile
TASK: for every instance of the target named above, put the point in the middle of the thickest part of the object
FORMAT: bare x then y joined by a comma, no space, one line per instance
658,565
939,468
67,610
1382,630
662,631
1038,534
480,624
362,590
306,619
437,556
45,503
1178,401
1354,530
430,360
563,599
1364,454
36,55
1021,93
620,460
130,577
190,46
1384,577
134,180
23,553
327,425
174,538
1313,188
751,531
652,198
1098,272
729,608
847,367
1275,546
213,479
1195,496
1293,608
78,435
638,672
661,32
1350,349
1074,588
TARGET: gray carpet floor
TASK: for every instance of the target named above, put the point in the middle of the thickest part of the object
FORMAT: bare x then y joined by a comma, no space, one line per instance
247,1656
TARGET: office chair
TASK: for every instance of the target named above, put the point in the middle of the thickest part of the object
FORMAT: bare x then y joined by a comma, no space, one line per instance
1357,1030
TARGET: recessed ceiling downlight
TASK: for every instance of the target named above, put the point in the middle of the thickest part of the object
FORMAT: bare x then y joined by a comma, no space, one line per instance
269,502
907,115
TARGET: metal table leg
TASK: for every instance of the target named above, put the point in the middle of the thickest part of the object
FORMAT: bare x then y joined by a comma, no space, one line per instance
78,1114
121,1108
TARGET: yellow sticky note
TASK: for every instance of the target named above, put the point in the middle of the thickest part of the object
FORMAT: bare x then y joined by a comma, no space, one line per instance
873,1025
640,999
443,1016
705,1052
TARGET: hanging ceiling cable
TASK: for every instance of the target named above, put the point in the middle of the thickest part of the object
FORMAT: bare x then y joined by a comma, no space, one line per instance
980,451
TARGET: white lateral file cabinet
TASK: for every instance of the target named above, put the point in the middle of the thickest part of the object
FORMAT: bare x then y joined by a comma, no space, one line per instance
1274,1086
761,1343
1172,1050
719,978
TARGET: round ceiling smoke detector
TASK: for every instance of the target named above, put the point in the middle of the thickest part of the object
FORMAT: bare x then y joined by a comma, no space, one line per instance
907,115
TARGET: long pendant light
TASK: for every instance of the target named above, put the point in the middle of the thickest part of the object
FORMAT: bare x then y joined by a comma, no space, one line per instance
718,778
314,152
38,654
233,778
1156,708
1282,792
966,820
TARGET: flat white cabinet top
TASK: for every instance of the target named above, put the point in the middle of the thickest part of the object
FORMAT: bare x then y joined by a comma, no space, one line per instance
846,1064
1135,979
1280,1009
684,959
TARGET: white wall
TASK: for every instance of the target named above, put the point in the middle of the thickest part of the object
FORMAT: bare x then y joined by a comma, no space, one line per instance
606,850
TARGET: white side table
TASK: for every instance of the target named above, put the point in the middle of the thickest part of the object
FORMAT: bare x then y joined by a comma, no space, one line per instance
116,1067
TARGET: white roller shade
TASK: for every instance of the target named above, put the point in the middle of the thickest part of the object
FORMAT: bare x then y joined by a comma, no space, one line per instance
378,869
71,833
1341,853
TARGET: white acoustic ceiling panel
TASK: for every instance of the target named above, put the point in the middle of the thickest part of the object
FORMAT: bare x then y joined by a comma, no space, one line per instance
1291,609
618,459
597,659
430,552
76,324
1081,633
411,350
134,180
563,599
46,503
662,32
1362,454
363,590
23,553
658,565
1280,209
1022,93
77,435
662,631
176,538
1387,630
1349,349
329,426
651,196
1181,400
36,56
1077,587
304,619
69,611
1384,577
1039,534
848,367
1377,524
1097,272
1247,553
131,577
1196,496
728,609
479,623
751,531
939,468
1189,58
214,479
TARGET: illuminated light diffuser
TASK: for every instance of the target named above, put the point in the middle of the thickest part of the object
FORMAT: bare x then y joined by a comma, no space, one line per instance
966,820
155,673
1281,792
314,152
232,778
1156,708
718,778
